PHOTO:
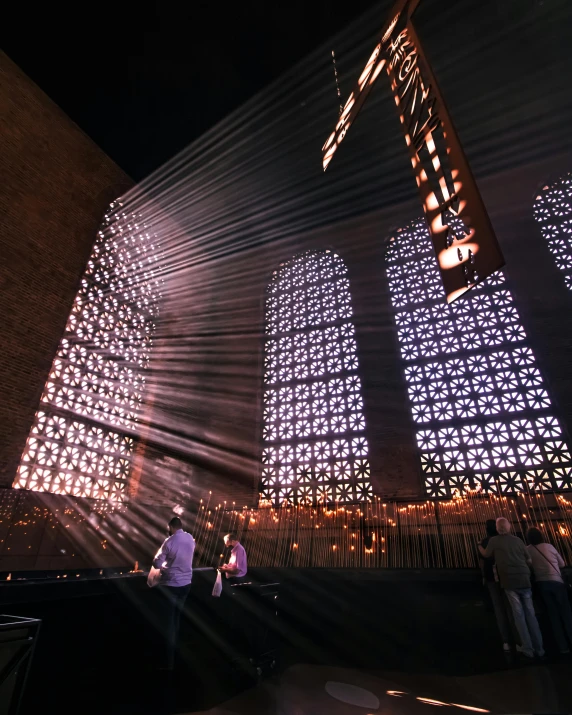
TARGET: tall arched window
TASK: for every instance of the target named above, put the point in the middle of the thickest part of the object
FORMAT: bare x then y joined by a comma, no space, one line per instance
553,211
483,416
314,443
82,439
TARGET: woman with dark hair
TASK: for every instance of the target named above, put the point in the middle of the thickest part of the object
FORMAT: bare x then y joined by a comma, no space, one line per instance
546,565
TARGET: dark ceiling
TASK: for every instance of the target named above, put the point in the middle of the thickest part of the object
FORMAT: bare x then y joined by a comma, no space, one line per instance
145,79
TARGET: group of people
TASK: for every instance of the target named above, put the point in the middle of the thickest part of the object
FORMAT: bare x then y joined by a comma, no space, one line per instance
174,568
509,567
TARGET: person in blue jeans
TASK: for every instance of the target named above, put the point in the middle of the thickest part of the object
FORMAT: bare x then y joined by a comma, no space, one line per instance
503,612
513,564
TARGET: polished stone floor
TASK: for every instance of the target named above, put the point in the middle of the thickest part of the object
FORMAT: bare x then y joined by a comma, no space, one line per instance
317,690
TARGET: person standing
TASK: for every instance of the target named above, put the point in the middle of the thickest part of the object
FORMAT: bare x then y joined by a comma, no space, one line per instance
546,565
239,607
490,580
236,568
175,562
513,563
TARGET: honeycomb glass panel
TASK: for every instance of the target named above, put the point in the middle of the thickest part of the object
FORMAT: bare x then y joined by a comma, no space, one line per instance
553,212
483,416
314,444
83,436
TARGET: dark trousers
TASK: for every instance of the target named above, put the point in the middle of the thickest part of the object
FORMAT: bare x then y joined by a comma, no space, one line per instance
172,604
555,598
238,607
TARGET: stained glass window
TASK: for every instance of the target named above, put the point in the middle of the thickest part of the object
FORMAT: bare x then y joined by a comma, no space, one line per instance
483,416
553,211
315,447
82,439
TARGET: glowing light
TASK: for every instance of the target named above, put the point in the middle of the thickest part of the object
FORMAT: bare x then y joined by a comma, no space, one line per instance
369,66
470,707
449,258
430,701
380,65
329,141
390,29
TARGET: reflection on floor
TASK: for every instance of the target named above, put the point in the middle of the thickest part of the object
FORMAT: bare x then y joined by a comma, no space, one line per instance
321,690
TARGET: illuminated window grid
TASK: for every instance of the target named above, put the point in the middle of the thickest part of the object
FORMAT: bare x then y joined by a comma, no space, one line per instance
314,444
483,416
553,211
82,441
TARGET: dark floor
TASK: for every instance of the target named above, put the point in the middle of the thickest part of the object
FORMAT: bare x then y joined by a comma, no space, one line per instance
311,689
429,637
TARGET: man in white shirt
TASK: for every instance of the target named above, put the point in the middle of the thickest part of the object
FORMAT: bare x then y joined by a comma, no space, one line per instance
236,567
175,561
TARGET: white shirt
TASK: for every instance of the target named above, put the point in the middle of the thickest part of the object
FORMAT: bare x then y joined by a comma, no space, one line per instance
175,559
546,562
237,561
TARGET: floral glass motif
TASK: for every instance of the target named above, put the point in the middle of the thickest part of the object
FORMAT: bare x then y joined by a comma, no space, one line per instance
82,439
314,428
553,211
483,416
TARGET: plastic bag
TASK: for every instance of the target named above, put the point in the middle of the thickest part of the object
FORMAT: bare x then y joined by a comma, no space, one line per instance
217,588
154,577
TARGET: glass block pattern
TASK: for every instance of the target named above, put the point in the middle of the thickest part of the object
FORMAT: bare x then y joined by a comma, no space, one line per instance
482,412
82,439
314,444
553,211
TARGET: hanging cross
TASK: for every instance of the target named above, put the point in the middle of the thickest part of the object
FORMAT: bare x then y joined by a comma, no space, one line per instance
463,238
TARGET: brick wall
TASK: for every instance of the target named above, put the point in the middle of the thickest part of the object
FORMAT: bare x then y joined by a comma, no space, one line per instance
56,185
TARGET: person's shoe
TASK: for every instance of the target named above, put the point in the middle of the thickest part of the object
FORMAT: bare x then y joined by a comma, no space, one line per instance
506,647
519,648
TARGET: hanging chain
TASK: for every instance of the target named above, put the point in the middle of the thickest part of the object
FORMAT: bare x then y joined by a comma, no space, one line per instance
337,82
